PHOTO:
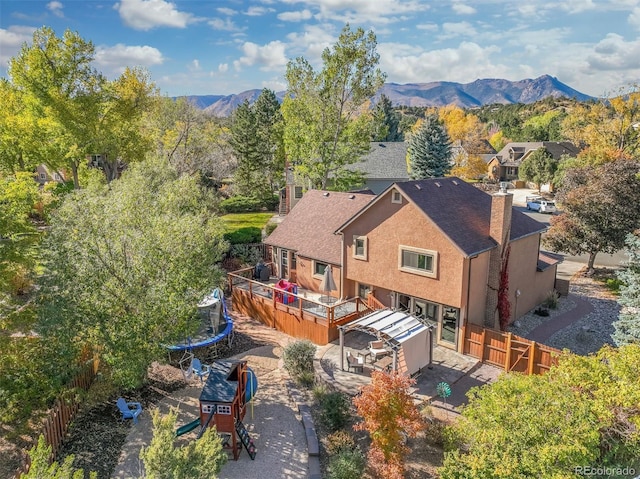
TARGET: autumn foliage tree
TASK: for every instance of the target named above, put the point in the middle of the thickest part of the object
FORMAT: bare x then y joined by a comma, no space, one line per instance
600,209
388,412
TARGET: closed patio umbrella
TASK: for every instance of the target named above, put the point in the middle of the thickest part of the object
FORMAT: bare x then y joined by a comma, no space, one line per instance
328,284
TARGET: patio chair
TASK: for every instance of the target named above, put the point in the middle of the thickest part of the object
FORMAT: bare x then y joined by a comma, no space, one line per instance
355,362
129,410
199,369
377,350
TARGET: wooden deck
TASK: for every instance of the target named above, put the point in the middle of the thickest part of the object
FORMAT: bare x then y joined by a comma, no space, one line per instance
302,317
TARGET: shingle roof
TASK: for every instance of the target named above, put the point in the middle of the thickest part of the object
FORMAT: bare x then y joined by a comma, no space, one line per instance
556,148
462,212
385,160
308,228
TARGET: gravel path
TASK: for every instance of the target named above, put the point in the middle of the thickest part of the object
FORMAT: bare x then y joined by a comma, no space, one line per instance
588,332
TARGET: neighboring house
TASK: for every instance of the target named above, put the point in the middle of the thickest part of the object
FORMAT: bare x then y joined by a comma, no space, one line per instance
385,164
305,243
45,175
484,150
505,164
431,247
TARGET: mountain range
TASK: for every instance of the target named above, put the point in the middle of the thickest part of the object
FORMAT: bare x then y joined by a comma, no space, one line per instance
465,95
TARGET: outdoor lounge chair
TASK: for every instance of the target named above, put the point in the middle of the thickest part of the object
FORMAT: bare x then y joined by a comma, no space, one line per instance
129,410
355,362
377,350
199,369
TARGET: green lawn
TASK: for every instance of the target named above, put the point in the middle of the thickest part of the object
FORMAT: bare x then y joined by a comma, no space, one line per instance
236,221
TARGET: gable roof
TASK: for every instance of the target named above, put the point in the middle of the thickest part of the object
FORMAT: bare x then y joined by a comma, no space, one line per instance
555,148
461,211
308,228
385,160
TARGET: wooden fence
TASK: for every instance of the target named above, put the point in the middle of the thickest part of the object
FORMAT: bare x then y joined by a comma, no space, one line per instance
59,417
508,351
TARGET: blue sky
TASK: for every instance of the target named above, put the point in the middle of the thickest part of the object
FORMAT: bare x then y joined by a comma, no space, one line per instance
223,47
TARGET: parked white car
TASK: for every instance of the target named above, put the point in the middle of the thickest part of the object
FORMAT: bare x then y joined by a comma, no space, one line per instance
541,205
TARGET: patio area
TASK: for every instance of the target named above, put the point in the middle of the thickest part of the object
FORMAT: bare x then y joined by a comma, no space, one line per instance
460,372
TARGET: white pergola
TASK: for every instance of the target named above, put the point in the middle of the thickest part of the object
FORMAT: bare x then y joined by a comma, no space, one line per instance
400,331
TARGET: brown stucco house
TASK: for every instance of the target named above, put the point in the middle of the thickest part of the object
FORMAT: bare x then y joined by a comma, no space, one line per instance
434,248
505,164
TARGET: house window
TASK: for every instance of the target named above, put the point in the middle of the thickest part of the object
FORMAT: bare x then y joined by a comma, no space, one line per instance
360,247
284,263
396,197
207,408
294,261
512,171
417,261
318,268
43,176
223,409
297,193
363,290
57,177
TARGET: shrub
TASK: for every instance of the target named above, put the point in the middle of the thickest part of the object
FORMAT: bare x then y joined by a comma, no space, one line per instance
240,204
268,229
334,410
551,301
248,234
245,253
298,358
346,465
340,441
613,284
271,203
306,379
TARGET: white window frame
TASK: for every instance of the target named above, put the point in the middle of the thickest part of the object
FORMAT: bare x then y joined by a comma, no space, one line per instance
396,197
315,267
422,272
43,176
223,409
207,408
365,246
57,177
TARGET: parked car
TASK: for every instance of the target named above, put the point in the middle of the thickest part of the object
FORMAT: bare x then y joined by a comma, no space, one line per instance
540,204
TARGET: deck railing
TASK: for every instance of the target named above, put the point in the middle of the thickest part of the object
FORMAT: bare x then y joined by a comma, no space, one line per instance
298,315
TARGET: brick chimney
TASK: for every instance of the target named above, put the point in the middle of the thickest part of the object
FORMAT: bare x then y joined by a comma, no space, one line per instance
499,230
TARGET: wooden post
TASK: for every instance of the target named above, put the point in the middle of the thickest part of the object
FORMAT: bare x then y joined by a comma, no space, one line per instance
483,336
532,356
341,331
507,360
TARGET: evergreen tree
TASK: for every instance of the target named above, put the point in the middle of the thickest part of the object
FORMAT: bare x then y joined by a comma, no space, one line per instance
386,121
429,150
628,323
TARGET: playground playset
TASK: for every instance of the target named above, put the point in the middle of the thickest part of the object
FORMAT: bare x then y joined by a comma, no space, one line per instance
230,386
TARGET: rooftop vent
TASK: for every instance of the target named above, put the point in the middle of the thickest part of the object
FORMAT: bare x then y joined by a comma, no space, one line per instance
418,186
437,184
454,182
326,193
351,197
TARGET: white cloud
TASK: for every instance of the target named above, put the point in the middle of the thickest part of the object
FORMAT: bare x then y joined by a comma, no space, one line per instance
634,18
462,9
295,16
275,84
363,11
224,25
614,53
195,65
258,11
459,29
430,27
116,58
311,42
148,14
268,57
223,67
226,11
11,40
468,62
55,8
